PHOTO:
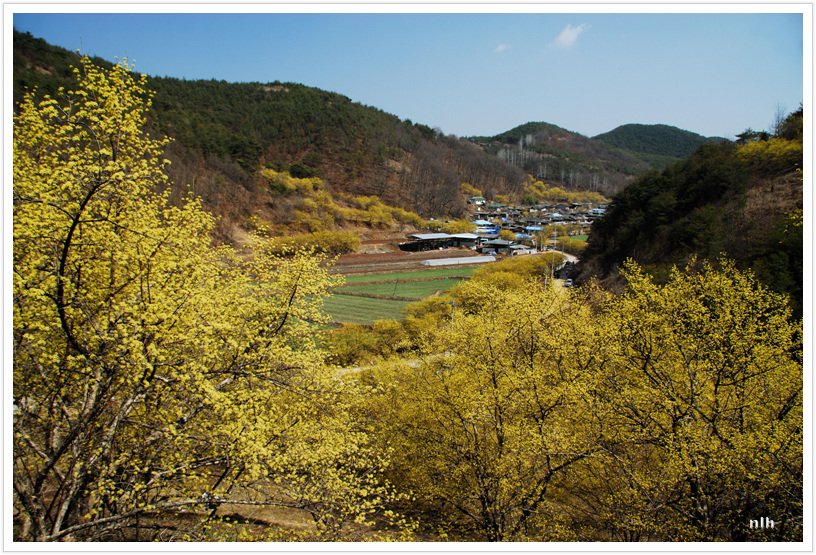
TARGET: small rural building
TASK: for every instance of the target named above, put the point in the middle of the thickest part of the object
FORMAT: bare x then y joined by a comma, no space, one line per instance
458,261
433,241
426,242
515,250
468,240
478,201
488,231
496,245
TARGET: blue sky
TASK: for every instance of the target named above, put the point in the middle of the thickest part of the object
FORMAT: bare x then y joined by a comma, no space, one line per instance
479,73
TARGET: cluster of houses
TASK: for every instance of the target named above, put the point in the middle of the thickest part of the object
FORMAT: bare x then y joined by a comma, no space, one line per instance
491,220
518,219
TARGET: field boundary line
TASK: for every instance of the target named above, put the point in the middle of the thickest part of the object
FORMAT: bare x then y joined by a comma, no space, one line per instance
375,296
410,280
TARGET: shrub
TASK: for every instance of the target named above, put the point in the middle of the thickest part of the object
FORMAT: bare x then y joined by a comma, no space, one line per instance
774,156
329,242
459,226
470,190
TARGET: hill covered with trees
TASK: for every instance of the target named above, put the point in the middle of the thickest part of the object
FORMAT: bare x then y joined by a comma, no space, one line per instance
225,133
741,200
604,163
659,145
567,159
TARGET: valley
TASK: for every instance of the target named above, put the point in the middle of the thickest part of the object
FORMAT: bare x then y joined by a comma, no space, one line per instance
237,317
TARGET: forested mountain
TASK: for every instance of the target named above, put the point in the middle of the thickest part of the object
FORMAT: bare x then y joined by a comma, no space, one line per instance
226,132
741,200
605,163
564,158
355,148
659,145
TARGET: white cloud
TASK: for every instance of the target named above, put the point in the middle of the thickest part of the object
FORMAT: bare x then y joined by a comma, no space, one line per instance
502,48
569,35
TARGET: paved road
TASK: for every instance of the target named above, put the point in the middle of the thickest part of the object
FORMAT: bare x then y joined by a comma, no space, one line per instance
567,256
570,257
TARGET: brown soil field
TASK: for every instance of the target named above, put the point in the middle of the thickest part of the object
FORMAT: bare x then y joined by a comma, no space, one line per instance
373,263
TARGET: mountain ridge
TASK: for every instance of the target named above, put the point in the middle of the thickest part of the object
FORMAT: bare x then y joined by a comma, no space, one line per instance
227,133
606,162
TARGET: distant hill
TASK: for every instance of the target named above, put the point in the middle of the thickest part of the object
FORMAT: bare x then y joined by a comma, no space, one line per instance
515,135
604,163
658,145
565,158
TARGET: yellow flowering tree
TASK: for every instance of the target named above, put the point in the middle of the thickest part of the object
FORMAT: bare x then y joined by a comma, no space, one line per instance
667,413
702,404
158,379
495,413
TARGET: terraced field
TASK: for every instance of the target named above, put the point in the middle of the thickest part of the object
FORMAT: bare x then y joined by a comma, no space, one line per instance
440,273
362,310
413,290
367,298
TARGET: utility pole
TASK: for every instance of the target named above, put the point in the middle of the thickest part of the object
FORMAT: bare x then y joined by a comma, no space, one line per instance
552,264
453,305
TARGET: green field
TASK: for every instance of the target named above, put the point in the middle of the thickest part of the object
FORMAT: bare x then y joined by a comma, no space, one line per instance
362,310
441,273
409,286
410,289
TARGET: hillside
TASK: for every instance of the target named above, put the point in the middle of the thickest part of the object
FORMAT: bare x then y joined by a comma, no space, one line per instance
741,200
227,132
658,145
564,158
356,149
604,163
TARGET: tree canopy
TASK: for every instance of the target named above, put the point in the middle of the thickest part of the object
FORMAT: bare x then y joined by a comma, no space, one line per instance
669,413
157,378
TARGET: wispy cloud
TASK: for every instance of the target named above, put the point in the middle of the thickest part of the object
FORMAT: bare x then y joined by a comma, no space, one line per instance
569,35
502,48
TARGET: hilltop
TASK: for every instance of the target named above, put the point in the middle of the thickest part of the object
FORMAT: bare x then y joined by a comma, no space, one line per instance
659,145
604,163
